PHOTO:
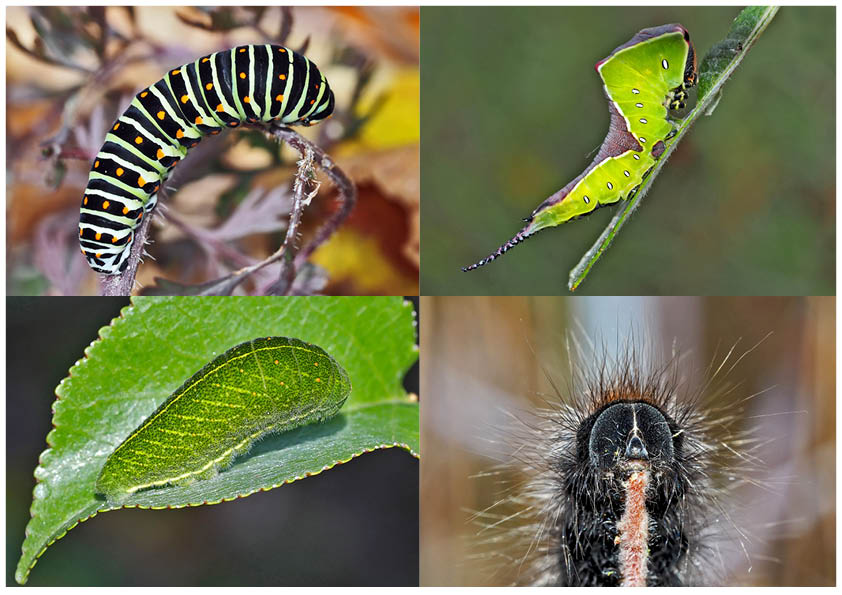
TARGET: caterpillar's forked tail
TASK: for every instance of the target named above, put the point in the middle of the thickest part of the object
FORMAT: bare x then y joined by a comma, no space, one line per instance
519,237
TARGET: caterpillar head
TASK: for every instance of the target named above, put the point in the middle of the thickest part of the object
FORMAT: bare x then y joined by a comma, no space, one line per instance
625,436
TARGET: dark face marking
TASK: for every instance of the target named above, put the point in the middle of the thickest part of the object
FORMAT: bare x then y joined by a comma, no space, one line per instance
625,432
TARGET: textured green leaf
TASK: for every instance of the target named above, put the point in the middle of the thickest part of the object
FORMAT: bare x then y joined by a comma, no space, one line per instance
157,343
715,69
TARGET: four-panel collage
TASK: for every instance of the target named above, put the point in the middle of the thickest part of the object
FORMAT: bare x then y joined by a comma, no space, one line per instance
298,353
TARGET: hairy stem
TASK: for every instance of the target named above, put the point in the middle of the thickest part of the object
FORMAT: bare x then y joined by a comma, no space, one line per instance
123,283
311,154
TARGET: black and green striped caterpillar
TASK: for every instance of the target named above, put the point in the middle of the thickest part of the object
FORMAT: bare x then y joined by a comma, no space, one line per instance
246,84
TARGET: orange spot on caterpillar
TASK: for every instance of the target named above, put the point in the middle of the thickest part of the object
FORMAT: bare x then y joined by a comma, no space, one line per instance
155,189
180,133
99,254
280,98
185,98
312,101
283,77
205,59
80,235
125,210
233,124
96,163
138,140
219,108
160,154
85,201
161,115
246,99
176,71
119,171
209,86
113,239
282,50
242,50
198,119
140,181
242,75
144,94
105,204
116,126
98,236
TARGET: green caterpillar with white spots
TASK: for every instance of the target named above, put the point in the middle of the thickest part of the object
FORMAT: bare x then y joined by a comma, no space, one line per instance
643,80
247,84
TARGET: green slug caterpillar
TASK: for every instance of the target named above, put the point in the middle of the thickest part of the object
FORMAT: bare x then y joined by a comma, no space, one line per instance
246,84
643,79
265,385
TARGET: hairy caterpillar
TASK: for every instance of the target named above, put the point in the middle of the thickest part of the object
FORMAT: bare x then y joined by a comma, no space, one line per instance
629,476
246,84
643,79
266,385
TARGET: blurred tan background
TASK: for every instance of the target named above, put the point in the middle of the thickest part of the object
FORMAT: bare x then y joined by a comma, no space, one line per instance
479,369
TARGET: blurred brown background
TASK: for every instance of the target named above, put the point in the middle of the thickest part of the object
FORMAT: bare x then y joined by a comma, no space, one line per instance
72,71
482,360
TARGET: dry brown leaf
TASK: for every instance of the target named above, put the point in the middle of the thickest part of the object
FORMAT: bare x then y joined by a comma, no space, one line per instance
395,173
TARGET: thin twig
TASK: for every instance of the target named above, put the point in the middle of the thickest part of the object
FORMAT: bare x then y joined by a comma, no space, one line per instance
123,283
347,198
290,248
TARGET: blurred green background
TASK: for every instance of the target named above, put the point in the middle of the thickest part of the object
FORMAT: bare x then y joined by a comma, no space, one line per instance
512,110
